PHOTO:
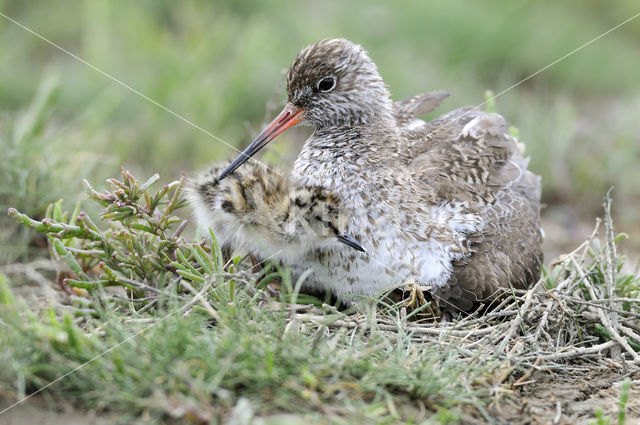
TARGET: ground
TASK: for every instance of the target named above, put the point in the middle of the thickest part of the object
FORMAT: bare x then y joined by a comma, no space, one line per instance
568,399
565,401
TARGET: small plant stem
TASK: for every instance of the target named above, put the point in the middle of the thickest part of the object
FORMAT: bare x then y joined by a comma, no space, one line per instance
64,231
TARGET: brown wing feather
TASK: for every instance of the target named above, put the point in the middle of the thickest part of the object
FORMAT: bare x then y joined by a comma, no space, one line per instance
471,158
407,110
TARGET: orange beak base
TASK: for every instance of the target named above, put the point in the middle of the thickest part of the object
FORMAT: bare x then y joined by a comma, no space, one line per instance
289,117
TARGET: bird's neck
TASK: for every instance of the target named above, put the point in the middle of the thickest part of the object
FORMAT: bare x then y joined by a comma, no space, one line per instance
355,142
333,155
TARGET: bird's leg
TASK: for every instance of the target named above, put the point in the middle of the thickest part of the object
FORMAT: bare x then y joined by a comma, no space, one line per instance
414,297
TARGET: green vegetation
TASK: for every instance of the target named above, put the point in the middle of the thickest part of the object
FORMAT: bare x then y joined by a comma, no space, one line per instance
624,399
181,368
204,339
33,172
159,328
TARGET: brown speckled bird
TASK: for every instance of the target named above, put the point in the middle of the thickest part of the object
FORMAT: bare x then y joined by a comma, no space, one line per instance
257,209
447,203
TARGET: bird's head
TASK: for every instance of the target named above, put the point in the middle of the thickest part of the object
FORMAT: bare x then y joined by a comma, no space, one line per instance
332,83
335,83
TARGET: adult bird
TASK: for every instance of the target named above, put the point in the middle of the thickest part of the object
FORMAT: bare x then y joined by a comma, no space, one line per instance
447,203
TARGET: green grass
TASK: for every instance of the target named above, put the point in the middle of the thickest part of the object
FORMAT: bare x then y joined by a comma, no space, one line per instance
189,335
185,368
165,353
172,353
33,171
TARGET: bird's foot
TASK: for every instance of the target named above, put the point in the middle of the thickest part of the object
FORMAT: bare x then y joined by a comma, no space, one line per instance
414,297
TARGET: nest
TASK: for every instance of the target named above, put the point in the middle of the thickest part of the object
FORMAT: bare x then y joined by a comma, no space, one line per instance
573,316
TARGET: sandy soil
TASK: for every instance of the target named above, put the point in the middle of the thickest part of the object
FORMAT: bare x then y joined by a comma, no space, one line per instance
569,399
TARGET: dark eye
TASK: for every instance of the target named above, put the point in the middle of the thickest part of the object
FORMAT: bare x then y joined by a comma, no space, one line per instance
326,84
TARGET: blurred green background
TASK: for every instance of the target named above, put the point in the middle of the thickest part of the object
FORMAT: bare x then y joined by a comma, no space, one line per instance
220,64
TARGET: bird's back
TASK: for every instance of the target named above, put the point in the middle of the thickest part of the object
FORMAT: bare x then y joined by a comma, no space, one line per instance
468,156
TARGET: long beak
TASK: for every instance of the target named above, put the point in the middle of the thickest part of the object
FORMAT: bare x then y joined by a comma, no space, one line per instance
289,116
348,240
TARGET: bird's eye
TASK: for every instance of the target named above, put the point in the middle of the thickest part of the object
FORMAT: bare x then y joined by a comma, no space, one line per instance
326,84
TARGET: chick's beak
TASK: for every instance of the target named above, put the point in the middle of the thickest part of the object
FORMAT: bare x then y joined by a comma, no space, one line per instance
289,117
350,241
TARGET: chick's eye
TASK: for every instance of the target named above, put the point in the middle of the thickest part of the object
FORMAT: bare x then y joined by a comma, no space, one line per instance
327,84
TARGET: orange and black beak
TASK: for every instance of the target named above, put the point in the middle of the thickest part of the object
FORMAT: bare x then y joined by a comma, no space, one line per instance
289,117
